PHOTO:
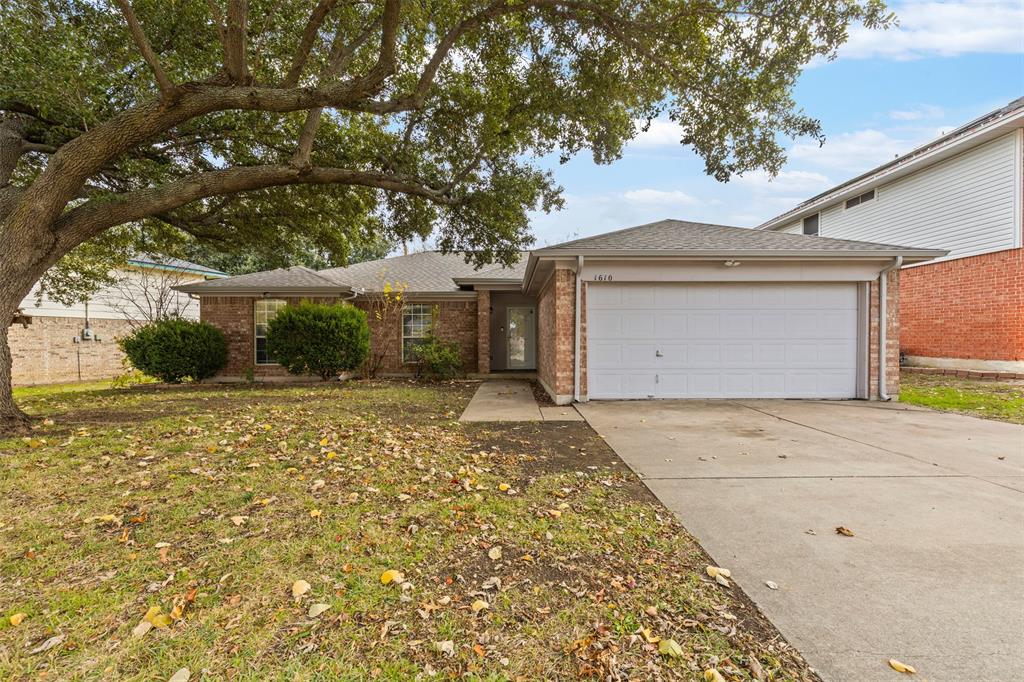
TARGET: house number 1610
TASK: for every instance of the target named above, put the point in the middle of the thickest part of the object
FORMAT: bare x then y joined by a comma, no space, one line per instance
602,278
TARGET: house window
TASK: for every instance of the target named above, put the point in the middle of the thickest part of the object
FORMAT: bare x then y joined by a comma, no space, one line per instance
264,312
856,201
416,321
811,225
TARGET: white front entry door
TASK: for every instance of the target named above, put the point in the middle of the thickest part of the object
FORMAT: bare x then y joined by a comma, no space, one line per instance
709,340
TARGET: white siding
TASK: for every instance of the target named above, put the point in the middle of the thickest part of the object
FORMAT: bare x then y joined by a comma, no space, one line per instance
793,228
967,204
136,293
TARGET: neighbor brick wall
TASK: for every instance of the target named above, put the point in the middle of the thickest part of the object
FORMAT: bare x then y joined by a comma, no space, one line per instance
454,321
892,338
968,308
45,353
555,340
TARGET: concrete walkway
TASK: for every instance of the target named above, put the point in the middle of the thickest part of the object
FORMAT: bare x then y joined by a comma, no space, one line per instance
934,574
511,400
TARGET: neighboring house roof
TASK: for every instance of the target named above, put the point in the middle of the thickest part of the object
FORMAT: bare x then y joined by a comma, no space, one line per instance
158,262
682,238
980,130
297,279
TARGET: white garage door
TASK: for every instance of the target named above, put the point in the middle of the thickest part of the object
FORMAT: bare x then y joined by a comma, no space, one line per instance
703,340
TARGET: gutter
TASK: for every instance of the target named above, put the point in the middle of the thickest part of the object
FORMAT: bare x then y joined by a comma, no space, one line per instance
883,287
576,335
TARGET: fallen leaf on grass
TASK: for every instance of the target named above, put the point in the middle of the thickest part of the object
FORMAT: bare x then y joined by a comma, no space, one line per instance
902,667
238,520
314,513
183,675
447,647
843,530
670,648
316,609
157,619
17,618
503,487
479,605
494,553
391,576
299,588
721,575
712,675
56,640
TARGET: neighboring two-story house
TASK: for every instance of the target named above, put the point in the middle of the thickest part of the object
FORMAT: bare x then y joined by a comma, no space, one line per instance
960,192
52,342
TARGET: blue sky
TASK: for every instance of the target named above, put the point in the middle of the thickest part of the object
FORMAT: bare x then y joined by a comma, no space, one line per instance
945,64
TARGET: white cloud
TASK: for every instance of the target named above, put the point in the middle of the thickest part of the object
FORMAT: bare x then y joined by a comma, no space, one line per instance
660,133
798,181
943,29
854,152
659,197
923,111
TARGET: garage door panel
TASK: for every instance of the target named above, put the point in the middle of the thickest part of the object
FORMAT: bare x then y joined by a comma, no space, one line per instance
777,340
737,325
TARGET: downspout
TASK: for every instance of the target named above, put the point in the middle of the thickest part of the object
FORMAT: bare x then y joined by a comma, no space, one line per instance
576,335
883,286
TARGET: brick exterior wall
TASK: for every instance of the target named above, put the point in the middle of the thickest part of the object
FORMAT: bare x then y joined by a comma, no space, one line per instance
556,330
483,331
892,337
453,321
968,308
44,352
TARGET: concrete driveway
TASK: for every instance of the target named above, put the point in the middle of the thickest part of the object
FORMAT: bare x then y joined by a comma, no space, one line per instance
934,575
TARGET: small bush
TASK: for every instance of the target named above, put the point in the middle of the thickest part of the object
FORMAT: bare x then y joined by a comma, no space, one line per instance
324,340
176,350
438,359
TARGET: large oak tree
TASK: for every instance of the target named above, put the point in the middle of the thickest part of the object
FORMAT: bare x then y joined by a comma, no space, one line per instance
237,121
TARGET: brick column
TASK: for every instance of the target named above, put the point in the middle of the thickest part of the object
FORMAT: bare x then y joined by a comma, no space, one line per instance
483,331
892,338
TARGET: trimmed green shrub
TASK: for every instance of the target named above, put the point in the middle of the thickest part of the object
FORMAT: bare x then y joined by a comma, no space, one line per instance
324,340
438,358
176,350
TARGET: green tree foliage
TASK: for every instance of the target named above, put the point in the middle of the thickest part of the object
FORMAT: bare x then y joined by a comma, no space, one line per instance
176,350
318,339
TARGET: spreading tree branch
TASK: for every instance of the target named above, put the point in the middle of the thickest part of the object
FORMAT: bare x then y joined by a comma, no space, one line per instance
235,62
96,215
142,42
309,34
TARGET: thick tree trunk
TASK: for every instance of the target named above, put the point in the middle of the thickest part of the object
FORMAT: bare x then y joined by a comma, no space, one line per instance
12,419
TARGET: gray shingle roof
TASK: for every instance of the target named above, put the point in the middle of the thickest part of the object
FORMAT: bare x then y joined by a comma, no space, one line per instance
297,278
426,272
680,235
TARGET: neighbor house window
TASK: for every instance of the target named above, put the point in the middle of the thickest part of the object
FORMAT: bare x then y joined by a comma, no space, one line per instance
266,309
856,201
416,320
811,225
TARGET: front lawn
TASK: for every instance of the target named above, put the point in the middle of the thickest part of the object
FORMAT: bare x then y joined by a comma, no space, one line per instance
243,533
986,399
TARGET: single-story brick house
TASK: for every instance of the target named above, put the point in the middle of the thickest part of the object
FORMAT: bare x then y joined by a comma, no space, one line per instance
670,309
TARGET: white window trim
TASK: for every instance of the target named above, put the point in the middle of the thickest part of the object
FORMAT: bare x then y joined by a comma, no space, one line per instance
401,331
255,336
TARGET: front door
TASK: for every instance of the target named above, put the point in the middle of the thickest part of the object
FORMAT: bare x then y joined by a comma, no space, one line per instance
521,338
